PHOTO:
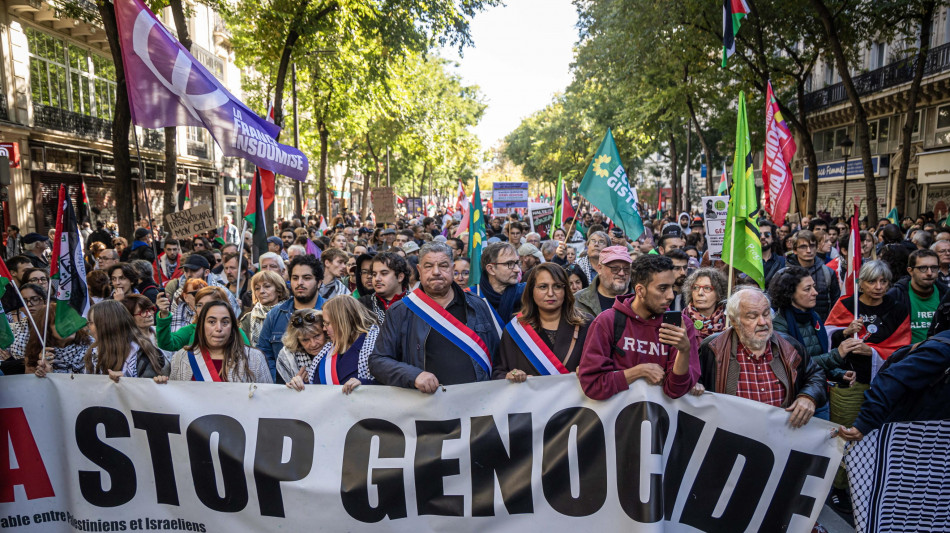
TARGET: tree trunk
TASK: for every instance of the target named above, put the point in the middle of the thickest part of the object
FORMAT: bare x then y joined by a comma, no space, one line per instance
422,182
171,135
375,156
674,176
707,153
324,200
121,122
913,94
860,114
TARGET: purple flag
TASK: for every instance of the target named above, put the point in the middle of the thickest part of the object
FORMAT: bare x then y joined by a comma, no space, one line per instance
312,249
169,87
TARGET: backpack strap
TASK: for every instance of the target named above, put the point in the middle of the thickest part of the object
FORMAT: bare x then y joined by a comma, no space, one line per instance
620,323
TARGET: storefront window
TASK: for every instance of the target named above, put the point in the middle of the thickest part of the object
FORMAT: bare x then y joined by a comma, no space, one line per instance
69,77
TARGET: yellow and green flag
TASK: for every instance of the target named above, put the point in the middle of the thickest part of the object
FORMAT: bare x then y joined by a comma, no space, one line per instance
607,188
476,236
742,248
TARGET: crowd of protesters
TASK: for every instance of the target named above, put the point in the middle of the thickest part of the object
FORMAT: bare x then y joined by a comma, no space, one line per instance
394,306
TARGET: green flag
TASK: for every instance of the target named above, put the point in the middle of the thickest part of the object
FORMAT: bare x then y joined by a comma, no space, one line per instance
742,248
476,236
892,216
606,187
558,203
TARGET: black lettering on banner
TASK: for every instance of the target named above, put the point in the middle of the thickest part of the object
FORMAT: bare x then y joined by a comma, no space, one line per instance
231,444
591,462
630,459
431,468
119,467
710,482
788,499
354,485
490,458
269,471
688,430
157,427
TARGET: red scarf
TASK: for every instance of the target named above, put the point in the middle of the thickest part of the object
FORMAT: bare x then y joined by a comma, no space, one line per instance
386,304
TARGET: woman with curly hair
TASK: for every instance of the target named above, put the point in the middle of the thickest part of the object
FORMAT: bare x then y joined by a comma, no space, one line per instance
704,299
304,339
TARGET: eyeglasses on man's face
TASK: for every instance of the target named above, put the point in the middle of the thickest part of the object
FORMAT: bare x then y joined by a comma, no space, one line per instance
510,265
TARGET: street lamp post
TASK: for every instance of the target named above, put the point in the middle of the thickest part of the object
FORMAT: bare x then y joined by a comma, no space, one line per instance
846,144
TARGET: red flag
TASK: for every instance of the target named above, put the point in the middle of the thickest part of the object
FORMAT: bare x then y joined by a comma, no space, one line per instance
567,208
268,180
854,256
776,167
460,198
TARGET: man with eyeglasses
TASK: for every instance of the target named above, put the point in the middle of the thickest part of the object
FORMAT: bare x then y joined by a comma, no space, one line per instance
614,280
437,334
806,256
921,293
499,286
771,261
942,249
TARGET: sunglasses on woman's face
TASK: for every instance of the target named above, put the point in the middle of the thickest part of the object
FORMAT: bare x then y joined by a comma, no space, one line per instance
300,320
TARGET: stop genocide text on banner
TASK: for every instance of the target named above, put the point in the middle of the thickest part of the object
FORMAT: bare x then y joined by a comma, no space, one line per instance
93,455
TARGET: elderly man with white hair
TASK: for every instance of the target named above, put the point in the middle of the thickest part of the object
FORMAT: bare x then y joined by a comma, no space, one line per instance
750,360
274,263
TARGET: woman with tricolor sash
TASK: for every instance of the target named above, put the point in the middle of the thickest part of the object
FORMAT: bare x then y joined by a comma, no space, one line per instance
173,341
546,338
218,352
352,331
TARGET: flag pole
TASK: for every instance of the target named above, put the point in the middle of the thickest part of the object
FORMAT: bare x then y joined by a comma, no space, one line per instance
237,284
28,313
732,252
45,321
148,201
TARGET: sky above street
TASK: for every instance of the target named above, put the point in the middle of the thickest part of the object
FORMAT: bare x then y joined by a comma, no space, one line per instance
521,58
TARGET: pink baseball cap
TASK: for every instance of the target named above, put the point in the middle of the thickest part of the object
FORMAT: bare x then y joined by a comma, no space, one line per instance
615,253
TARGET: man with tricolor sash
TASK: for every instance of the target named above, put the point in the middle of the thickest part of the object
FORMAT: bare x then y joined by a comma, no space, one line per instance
437,334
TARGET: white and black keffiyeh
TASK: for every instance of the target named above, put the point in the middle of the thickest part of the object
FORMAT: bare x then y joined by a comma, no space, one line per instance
900,478
362,365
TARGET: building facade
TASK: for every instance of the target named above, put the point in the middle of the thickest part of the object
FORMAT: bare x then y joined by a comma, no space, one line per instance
882,79
57,89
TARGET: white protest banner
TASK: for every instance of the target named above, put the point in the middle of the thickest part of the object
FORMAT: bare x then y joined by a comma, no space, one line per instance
510,194
714,217
92,455
184,224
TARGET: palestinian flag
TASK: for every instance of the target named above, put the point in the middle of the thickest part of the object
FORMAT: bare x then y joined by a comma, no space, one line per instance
6,334
184,195
884,333
84,206
67,266
254,214
268,179
733,11
723,188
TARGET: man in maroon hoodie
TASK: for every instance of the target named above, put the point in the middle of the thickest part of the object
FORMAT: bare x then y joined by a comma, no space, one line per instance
659,353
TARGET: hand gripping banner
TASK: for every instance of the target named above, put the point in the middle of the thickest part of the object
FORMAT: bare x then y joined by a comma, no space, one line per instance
92,455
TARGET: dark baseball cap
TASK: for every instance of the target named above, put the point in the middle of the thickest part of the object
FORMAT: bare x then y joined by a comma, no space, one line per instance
194,262
31,238
141,233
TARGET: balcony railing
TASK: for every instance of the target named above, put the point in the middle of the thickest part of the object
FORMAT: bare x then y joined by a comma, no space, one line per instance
198,149
154,140
54,118
892,75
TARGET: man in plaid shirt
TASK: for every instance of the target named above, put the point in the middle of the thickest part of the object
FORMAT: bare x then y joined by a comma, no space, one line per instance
750,360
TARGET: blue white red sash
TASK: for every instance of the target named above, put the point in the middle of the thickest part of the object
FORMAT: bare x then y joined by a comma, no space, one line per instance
496,318
442,321
202,367
537,352
326,371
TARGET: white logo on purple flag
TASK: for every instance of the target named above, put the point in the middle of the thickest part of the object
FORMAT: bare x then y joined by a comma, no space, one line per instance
168,87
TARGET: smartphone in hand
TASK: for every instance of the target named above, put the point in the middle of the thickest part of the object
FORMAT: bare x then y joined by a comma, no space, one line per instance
674,318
